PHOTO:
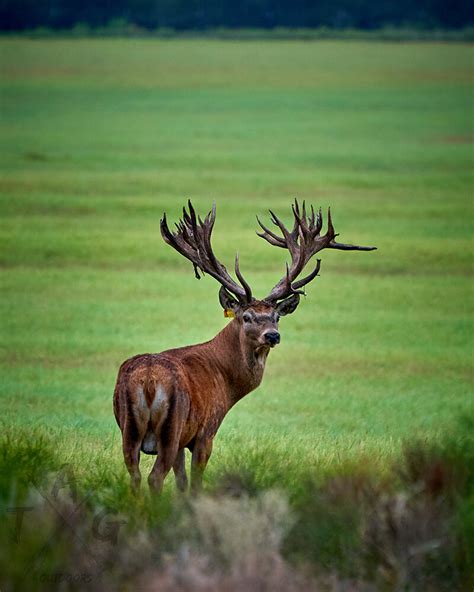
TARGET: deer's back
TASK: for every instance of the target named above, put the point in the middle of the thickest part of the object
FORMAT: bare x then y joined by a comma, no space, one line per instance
150,386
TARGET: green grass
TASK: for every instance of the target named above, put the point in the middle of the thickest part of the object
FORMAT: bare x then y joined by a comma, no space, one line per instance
99,137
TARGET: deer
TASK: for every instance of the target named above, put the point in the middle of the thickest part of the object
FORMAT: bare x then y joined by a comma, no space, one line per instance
176,400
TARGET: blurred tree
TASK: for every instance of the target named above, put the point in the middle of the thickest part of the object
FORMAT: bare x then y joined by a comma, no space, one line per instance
204,14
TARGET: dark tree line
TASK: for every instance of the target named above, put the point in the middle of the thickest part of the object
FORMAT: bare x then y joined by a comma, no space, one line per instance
205,14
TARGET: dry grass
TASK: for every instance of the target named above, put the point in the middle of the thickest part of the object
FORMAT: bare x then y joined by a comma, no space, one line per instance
406,530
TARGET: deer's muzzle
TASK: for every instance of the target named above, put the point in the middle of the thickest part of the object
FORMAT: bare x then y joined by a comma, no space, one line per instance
272,338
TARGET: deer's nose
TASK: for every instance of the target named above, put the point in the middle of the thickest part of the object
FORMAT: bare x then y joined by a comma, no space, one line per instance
272,337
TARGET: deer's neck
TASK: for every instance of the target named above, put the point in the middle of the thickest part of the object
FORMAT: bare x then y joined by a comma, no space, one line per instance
241,365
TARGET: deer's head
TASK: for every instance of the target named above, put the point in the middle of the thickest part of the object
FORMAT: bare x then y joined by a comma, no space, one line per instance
257,319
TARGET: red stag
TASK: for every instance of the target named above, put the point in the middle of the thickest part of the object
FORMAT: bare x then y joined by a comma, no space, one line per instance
177,399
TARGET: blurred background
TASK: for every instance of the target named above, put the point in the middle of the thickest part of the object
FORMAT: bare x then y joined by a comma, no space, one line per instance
111,114
246,14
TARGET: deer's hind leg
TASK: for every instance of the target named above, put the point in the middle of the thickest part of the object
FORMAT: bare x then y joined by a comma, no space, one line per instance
131,442
168,437
134,425
167,456
179,469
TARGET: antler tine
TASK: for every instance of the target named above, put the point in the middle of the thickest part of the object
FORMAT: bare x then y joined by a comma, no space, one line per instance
309,278
284,286
296,207
186,217
345,247
290,241
193,240
272,241
194,224
267,234
303,216
319,223
170,238
240,277
331,234
304,220
289,287
212,215
296,213
209,252
342,246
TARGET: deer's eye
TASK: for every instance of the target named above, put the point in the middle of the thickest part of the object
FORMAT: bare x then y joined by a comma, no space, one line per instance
247,317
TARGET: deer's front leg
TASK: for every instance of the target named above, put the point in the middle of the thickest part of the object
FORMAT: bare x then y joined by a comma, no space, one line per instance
201,454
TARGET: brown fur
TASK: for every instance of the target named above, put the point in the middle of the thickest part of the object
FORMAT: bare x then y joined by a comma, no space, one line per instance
198,385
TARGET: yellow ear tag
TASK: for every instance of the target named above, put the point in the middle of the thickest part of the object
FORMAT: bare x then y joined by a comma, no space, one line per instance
229,313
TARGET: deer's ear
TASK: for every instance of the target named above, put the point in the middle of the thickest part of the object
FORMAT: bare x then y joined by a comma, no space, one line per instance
288,305
227,301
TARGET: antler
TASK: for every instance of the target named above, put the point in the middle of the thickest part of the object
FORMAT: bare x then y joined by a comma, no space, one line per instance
302,242
193,241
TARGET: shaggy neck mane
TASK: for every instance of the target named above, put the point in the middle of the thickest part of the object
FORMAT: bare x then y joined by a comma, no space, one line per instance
240,363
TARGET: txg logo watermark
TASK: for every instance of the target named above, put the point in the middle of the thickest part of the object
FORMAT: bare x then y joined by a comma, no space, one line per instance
67,507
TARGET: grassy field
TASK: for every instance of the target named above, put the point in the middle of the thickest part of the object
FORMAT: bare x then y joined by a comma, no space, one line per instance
99,137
